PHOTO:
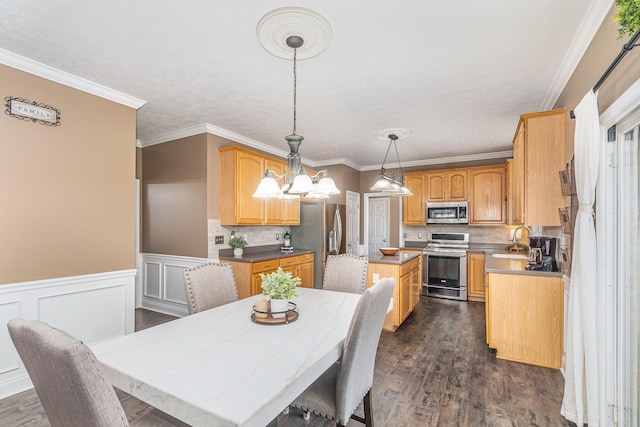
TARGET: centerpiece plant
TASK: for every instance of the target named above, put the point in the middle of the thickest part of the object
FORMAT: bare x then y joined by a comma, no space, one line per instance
280,287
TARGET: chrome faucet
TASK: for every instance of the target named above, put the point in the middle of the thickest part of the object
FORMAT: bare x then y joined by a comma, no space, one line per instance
515,233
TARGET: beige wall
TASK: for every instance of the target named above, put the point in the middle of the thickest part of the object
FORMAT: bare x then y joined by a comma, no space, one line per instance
174,197
345,178
67,193
602,51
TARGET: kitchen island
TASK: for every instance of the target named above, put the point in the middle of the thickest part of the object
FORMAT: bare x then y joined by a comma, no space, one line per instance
406,268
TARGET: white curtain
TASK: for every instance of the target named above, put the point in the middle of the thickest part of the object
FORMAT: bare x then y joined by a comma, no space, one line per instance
581,390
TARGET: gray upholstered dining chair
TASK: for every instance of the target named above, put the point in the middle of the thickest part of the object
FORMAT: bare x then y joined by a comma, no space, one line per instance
338,392
209,285
345,273
67,377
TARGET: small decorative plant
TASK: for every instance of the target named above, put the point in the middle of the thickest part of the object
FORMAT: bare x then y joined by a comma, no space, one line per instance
237,242
280,284
628,16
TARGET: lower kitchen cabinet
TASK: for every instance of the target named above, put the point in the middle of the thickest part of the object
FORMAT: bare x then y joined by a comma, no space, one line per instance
247,274
406,294
525,318
475,276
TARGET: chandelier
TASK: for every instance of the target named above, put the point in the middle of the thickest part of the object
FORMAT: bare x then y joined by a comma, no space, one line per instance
392,184
297,181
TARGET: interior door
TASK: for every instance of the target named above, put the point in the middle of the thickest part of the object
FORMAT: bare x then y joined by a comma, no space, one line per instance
353,222
379,208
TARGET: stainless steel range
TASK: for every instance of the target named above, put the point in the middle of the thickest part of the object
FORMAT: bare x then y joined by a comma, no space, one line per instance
445,266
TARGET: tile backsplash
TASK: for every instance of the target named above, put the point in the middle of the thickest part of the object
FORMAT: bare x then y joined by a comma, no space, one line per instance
483,234
256,235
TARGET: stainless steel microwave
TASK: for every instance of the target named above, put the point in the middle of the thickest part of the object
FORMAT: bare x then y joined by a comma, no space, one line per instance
447,212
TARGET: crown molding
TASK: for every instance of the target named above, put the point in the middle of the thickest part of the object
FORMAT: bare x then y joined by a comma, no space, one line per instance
445,160
589,26
45,71
340,161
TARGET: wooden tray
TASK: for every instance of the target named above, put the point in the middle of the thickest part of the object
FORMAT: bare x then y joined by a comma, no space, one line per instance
291,315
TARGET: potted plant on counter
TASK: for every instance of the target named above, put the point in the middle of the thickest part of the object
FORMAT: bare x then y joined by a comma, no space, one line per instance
280,287
237,243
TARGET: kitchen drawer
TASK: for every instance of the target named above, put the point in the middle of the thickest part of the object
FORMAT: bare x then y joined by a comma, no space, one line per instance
305,258
261,266
288,261
406,268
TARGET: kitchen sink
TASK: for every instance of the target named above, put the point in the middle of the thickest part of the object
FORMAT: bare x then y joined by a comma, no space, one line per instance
511,256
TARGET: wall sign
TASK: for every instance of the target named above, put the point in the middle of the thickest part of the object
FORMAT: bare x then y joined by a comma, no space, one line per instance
32,111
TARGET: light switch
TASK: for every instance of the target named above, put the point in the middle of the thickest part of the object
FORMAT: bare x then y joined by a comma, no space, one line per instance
219,240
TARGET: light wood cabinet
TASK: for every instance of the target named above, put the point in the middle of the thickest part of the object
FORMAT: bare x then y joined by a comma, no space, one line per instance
240,172
475,276
525,318
516,194
487,198
447,185
247,274
406,292
538,156
413,208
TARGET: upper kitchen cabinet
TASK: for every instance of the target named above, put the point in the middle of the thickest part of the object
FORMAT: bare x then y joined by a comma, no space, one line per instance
538,156
413,212
448,185
240,173
487,196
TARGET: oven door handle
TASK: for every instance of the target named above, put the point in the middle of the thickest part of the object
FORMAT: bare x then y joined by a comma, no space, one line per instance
446,254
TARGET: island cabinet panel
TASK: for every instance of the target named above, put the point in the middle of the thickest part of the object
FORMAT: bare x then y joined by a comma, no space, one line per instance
475,276
247,274
413,208
525,318
538,156
405,297
240,172
487,201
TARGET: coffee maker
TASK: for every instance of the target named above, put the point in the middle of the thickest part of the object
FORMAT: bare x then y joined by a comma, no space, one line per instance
542,254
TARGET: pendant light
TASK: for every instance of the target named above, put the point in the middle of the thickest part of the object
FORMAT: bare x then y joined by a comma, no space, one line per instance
297,181
390,183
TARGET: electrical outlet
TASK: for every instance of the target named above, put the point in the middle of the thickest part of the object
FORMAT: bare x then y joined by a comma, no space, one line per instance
419,235
277,236
219,240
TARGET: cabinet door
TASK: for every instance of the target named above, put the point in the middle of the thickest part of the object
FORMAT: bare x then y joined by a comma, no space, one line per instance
435,186
249,171
413,207
273,208
487,201
416,284
456,185
527,318
543,158
305,273
475,277
405,296
516,199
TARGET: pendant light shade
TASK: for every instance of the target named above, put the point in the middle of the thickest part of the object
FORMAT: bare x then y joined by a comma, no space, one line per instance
268,187
391,184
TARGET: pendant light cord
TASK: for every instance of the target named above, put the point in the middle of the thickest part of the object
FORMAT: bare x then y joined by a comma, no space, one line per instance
295,81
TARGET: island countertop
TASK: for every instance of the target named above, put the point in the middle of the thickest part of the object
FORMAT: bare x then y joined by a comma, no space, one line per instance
399,259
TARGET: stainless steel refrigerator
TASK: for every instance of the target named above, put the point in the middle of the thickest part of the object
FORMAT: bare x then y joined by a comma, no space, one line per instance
322,229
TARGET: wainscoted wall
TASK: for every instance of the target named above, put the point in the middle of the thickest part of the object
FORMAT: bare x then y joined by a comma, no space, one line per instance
93,308
163,284
256,236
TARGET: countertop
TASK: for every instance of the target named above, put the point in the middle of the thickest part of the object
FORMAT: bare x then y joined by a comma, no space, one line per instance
399,259
260,253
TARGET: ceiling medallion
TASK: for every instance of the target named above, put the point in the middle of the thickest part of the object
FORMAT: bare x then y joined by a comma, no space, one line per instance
277,26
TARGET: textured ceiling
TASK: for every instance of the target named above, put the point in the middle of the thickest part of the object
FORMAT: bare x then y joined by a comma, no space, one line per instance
457,74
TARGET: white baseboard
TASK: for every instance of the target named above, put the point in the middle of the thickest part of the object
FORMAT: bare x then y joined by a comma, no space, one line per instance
93,308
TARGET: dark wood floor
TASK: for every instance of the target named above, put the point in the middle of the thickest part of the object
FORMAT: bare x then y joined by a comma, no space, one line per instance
435,370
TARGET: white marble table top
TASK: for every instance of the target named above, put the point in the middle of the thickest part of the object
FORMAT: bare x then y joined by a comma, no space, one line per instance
218,368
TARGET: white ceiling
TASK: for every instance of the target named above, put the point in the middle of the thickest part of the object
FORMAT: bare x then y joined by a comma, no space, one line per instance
457,74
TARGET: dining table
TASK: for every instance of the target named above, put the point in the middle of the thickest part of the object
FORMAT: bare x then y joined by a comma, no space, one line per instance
220,368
